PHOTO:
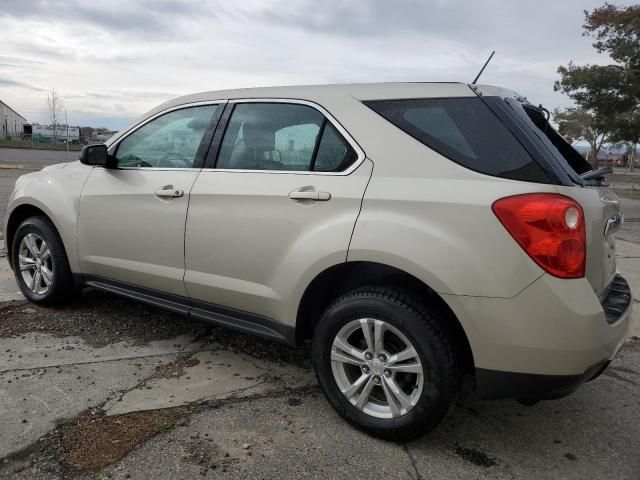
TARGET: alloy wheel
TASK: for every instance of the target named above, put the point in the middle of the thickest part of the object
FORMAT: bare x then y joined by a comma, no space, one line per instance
35,263
377,368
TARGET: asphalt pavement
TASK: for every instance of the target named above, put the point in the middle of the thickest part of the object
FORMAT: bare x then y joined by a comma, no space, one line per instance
15,162
109,388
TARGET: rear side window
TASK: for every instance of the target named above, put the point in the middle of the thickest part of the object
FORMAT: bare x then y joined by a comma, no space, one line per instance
334,153
464,130
282,136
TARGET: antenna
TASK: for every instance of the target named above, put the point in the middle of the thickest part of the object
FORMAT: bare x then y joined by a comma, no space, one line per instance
483,67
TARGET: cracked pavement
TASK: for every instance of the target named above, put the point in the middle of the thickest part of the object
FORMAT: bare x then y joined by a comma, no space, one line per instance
242,391
241,407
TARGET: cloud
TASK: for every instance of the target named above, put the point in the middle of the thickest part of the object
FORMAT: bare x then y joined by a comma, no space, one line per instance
13,83
150,18
115,59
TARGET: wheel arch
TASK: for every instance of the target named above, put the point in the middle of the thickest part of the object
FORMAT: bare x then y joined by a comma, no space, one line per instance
18,215
344,277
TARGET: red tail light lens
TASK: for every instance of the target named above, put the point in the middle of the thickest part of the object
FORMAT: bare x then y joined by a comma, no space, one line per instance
550,228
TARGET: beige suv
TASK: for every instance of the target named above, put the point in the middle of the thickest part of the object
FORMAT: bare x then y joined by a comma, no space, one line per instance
418,234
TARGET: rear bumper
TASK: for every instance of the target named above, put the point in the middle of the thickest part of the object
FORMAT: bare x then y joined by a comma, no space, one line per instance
493,384
546,341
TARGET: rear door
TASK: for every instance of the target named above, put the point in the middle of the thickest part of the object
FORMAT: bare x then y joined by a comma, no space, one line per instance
132,217
278,205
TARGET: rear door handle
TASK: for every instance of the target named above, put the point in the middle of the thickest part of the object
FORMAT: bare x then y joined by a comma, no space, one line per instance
313,195
168,192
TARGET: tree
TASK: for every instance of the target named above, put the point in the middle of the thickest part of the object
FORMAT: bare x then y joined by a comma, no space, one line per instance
609,94
54,109
626,131
579,124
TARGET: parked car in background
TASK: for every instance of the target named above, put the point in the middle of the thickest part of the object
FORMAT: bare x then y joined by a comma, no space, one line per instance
418,234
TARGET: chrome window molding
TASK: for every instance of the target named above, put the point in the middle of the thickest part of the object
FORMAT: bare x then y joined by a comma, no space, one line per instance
113,147
330,118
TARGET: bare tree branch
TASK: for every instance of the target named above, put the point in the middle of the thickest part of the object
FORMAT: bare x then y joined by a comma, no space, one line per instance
54,109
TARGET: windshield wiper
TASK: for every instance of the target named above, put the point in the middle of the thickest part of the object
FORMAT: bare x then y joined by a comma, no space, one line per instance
599,173
548,115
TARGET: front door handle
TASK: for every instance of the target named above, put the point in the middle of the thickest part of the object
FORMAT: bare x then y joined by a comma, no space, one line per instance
312,195
168,192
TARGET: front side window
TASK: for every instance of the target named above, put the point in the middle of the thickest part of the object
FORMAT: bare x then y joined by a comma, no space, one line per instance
169,141
464,130
282,136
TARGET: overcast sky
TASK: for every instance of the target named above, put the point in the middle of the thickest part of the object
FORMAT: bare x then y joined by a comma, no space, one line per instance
112,60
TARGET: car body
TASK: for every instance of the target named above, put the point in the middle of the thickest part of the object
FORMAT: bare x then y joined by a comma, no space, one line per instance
264,232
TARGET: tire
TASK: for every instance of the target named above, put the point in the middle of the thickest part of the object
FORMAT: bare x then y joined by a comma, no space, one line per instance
399,315
53,266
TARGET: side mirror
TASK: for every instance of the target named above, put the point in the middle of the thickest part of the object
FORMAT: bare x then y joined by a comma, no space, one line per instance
95,155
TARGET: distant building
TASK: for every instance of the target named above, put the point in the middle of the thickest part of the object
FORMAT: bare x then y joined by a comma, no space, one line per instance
89,135
102,135
85,134
47,134
12,122
608,156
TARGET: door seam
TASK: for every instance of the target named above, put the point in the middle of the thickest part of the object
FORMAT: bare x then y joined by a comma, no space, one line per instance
373,165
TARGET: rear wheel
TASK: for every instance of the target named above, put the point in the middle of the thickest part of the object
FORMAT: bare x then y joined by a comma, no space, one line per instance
385,364
40,263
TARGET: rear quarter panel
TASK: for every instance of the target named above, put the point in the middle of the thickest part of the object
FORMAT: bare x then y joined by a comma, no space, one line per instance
444,233
432,218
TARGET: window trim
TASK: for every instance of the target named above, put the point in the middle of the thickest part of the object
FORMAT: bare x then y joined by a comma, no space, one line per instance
211,160
504,116
206,139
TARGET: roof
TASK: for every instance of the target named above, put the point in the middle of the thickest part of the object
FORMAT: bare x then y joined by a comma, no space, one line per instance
360,91
332,96
7,106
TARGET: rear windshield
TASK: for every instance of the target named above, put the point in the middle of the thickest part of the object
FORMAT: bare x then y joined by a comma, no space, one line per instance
537,118
464,130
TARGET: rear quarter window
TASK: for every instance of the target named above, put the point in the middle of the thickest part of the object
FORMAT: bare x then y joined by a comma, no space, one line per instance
464,130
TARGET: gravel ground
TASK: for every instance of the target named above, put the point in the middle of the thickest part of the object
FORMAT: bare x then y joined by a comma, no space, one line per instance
284,433
102,319
592,434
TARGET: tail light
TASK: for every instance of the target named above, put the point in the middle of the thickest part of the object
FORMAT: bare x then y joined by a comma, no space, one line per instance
550,228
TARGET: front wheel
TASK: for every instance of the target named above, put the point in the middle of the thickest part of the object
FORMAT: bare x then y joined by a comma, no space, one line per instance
385,364
40,262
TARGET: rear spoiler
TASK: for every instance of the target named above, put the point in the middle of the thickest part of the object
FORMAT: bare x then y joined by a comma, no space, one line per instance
595,174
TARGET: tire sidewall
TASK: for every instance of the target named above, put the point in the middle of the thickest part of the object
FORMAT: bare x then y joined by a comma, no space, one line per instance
39,227
435,398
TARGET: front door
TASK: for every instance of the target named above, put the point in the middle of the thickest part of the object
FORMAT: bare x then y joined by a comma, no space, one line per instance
280,204
132,218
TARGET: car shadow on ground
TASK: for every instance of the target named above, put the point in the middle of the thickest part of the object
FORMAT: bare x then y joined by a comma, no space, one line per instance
101,319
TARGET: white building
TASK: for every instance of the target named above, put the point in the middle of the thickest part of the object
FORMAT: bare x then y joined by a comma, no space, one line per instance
12,122
60,133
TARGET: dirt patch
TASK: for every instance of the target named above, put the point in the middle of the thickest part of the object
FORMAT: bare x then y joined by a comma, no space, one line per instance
176,368
633,341
98,318
101,319
239,342
93,442
203,452
475,456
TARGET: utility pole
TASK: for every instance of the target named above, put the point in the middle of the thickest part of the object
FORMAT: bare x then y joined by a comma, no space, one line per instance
66,120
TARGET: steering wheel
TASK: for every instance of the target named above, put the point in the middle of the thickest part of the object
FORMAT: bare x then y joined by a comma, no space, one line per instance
133,161
170,159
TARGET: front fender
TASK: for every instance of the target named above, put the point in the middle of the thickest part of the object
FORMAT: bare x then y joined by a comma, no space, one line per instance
55,191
